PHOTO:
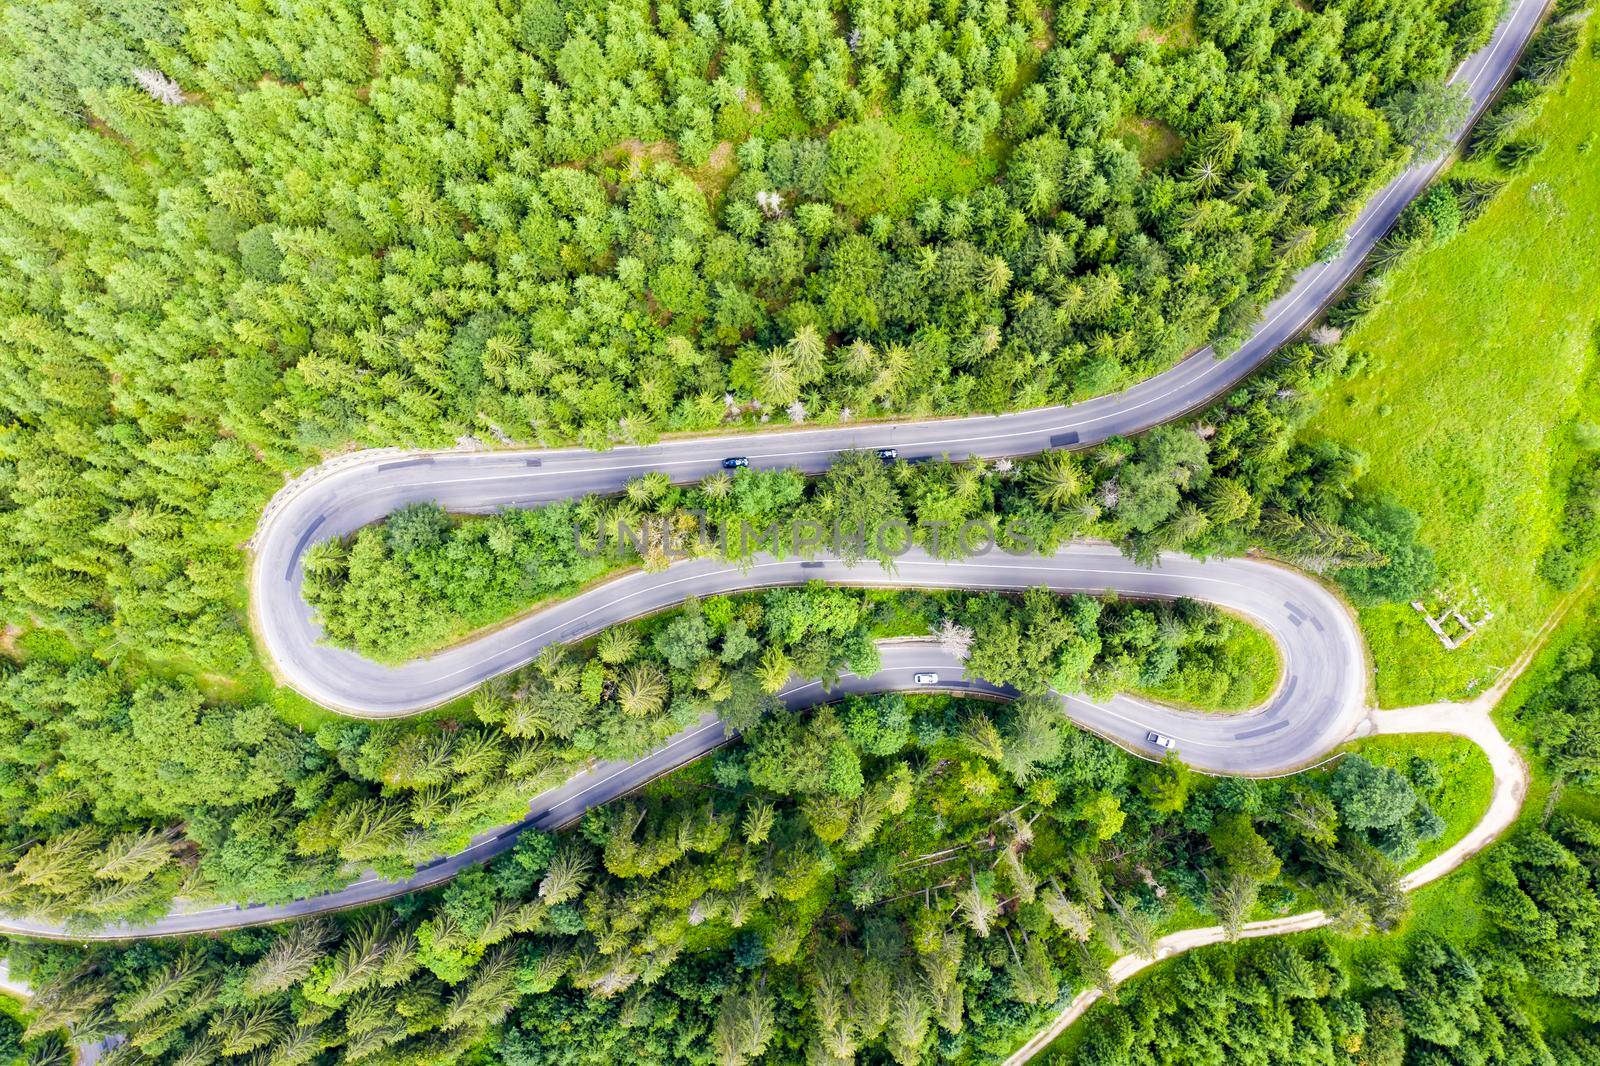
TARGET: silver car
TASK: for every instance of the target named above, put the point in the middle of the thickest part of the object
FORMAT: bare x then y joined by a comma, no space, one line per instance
1161,740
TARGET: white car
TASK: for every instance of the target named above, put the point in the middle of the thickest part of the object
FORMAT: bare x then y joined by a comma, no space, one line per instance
1161,740
925,677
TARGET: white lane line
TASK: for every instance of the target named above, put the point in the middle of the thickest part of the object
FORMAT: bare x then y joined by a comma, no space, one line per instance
676,742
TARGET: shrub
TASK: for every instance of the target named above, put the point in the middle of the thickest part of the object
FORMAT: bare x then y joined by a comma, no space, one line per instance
1431,220
1391,528
1515,155
1474,195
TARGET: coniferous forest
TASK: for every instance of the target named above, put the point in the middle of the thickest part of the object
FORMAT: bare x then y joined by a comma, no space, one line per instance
241,238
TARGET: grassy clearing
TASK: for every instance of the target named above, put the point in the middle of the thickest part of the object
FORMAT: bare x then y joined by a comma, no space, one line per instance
1478,367
1152,140
1240,674
891,164
308,716
1180,30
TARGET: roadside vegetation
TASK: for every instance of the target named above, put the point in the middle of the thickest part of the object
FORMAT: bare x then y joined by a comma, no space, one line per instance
1472,393
1237,668
920,877
237,804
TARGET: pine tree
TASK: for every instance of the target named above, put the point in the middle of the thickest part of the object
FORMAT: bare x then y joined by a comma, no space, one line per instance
288,961
565,877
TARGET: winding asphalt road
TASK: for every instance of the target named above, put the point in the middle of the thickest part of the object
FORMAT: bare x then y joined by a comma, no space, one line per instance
1319,703
1323,652
348,493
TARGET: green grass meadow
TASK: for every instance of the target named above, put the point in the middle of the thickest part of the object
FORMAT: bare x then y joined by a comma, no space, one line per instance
1478,366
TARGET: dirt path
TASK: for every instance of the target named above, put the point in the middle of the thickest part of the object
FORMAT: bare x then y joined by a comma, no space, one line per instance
1470,720
1510,777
